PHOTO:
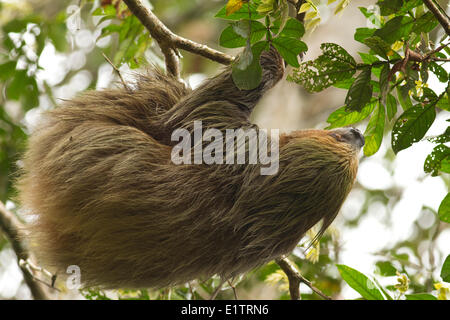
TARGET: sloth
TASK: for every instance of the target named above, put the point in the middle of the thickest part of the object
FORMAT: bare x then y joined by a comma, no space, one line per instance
104,195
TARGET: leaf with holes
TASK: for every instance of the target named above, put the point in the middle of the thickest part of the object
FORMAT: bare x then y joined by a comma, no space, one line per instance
434,159
442,138
444,210
334,65
439,71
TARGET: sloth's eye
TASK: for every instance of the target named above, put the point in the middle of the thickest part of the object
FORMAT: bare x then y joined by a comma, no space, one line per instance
337,136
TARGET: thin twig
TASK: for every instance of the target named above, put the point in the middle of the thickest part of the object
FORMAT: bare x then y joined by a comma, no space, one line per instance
440,59
216,292
295,278
170,42
116,70
443,20
234,289
11,227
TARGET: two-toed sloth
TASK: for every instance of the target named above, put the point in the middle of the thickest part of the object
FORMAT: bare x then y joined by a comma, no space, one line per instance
99,179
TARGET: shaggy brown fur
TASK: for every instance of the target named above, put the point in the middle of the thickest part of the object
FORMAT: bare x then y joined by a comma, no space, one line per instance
99,179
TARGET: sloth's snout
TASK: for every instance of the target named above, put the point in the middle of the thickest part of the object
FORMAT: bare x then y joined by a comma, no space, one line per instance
358,136
350,135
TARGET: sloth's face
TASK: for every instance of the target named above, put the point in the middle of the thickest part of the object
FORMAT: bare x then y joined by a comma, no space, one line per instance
345,136
351,136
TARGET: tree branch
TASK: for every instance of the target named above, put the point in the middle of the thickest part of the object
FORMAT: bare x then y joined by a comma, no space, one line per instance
295,278
170,42
11,227
443,20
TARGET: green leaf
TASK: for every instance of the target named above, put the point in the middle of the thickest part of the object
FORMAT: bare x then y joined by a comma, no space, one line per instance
384,83
403,97
445,271
362,34
386,269
98,12
372,16
247,73
109,29
293,28
16,86
344,84
444,211
242,13
334,65
391,106
409,4
289,49
358,281
374,131
378,45
368,58
442,138
412,126
341,117
360,92
266,6
110,10
57,34
388,7
395,29
439,71
425,23
445,165
434,159
420,296
424,71
7,70
231,39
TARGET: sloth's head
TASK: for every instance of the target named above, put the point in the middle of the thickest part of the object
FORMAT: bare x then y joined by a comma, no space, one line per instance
351,136
348,138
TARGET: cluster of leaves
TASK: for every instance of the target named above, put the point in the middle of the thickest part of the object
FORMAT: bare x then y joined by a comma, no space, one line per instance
371,289
133,38
23,40
245,30
393,73
389,87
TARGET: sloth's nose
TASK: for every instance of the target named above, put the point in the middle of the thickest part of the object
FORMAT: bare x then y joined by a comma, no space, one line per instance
351,136
358,135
